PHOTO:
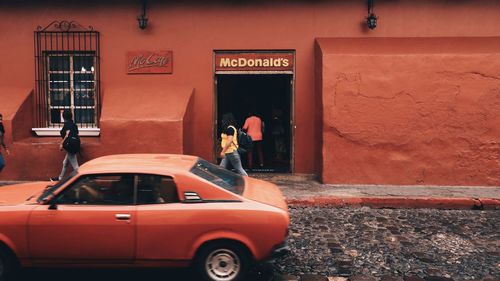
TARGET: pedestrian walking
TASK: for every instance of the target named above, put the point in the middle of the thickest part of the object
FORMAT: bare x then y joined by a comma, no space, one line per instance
70,143
255,128
229,144
2,143
278,135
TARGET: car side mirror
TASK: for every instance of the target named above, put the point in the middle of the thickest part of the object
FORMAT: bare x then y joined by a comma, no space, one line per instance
192,197
51,201
53,205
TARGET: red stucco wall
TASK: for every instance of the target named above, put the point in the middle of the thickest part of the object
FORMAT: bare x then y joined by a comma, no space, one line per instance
130,122
193,30
411,111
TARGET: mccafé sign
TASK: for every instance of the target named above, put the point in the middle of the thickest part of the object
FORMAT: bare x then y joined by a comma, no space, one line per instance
254,62
149,62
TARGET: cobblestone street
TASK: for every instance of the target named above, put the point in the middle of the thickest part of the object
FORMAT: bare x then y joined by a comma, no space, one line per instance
387,243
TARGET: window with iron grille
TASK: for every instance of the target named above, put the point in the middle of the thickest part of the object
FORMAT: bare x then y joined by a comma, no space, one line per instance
67,75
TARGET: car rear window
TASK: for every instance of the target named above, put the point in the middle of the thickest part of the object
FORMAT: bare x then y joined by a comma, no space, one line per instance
219,176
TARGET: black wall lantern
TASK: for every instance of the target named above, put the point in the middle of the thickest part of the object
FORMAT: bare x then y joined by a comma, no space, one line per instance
142,19
371,19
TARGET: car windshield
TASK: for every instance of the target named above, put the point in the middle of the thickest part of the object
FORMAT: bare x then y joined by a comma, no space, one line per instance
219,176
51,188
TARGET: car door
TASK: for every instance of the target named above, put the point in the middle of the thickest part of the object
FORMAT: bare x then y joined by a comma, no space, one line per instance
160,220
92,220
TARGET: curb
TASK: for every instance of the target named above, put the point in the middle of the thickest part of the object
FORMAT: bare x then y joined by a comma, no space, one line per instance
401,202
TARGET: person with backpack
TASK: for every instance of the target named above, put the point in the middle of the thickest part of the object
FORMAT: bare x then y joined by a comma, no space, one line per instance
229,144
70,143
2,143
254,128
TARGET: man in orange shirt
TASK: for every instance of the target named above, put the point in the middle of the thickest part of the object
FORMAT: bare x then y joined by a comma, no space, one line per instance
254,128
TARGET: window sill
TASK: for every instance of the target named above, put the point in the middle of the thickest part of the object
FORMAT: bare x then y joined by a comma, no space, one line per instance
55,132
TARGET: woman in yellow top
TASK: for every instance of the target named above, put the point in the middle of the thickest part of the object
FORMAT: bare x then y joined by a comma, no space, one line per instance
229,144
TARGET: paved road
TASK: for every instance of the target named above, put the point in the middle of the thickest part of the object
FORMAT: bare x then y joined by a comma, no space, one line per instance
362,244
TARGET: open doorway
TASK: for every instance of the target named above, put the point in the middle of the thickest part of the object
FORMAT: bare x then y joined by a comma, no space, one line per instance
269,96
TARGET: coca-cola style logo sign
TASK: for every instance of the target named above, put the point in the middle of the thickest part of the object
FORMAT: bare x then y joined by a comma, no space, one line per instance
139,62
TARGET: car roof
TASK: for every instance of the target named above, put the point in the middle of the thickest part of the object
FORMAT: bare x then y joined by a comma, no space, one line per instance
139,163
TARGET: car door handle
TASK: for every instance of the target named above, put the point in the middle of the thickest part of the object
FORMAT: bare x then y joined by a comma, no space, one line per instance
123,217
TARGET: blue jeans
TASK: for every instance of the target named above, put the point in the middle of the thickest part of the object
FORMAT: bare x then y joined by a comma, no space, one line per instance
235,160
69,159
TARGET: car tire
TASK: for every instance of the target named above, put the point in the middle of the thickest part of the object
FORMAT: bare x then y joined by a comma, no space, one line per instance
223,261
7,265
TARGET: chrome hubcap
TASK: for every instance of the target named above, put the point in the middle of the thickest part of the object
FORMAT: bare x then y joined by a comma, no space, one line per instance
222,265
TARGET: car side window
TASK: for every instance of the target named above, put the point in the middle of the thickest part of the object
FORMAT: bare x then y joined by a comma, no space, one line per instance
154,189
109,189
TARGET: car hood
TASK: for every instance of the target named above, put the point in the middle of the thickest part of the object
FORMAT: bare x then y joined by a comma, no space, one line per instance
264,192
19,193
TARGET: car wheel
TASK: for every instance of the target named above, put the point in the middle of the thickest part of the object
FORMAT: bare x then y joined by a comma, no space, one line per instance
223,262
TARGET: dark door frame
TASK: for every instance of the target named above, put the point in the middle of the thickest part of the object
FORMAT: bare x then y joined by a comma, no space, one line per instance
292,97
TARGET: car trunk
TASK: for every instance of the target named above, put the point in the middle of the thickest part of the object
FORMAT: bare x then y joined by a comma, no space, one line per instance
264,192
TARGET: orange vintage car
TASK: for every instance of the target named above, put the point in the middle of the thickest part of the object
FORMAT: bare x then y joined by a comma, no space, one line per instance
144,210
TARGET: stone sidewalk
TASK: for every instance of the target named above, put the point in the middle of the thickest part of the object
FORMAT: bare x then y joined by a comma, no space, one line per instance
305,190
